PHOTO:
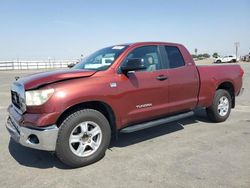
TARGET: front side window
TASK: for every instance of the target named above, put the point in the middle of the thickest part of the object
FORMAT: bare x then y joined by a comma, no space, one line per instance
102,59
174,57
149,55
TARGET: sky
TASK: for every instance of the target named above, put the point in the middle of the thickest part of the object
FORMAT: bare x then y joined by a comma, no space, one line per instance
59,29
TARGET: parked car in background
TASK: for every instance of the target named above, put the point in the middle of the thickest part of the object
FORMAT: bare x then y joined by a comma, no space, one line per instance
226,59
246,58
72,64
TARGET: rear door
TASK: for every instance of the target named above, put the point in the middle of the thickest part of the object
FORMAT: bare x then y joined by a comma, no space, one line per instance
183,80
143,94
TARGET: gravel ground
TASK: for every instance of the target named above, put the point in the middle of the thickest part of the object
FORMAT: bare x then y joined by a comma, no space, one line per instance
188,153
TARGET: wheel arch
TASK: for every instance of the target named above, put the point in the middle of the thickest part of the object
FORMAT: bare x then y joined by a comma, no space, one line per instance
228,86
100,106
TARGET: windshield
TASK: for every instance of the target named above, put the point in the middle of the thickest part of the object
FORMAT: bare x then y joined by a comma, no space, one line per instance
102,59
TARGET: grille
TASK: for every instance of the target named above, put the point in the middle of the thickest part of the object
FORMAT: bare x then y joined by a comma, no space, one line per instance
15,99
18,97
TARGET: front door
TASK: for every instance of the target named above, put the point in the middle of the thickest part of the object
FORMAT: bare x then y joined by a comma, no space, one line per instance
143,95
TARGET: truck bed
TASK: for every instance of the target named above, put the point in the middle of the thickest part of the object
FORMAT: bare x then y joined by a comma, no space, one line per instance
211,76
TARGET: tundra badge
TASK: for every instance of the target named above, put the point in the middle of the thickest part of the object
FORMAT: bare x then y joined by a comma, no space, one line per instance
144,105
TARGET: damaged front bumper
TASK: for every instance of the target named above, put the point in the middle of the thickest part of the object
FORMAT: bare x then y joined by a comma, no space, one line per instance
42,138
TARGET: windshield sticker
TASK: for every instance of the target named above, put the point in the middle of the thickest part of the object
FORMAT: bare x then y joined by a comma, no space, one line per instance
118,47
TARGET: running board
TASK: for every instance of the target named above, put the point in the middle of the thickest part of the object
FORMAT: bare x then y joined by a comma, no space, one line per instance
157,122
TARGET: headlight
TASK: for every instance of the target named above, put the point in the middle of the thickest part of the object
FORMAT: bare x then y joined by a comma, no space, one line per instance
38,97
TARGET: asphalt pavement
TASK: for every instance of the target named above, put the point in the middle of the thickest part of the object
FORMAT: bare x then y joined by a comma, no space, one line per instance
189,153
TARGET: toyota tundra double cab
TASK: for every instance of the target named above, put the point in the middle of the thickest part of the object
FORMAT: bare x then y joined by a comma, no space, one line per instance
122,88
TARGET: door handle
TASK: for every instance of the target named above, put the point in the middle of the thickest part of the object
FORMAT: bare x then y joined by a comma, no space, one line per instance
161,77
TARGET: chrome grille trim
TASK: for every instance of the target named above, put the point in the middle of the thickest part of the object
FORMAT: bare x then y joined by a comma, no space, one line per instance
18,97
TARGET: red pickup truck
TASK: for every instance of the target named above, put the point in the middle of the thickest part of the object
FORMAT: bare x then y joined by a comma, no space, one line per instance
122,88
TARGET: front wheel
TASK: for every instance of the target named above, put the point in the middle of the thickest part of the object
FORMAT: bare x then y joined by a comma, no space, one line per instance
221,106
83,138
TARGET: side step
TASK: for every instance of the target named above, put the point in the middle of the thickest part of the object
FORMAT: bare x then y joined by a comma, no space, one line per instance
153,123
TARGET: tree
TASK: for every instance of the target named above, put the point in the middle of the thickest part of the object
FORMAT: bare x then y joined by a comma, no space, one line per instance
194,56
206,55
215,55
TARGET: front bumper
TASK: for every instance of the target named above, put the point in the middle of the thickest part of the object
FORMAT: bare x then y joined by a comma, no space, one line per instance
40,138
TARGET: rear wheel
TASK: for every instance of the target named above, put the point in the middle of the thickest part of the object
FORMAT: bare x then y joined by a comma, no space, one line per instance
218,61
221,106
83,138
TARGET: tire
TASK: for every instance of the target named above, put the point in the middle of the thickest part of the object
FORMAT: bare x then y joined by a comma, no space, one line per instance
83,138
218,61
221,106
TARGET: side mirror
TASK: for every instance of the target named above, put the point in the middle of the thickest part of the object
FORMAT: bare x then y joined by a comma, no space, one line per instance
133,64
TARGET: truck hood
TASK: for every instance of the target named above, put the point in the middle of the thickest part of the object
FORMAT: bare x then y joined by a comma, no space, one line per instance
40,79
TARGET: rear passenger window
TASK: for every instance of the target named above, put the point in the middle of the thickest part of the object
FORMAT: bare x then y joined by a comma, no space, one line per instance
174,57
